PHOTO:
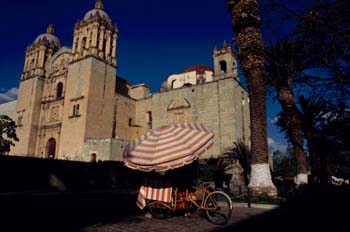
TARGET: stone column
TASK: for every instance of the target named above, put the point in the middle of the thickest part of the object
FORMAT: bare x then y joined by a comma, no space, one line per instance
114,48
41,58
108,46
94,39
88,40
79,44
75,41
100,42
26,62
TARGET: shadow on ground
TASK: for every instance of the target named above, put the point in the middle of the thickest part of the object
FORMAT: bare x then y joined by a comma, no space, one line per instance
63,212
309,209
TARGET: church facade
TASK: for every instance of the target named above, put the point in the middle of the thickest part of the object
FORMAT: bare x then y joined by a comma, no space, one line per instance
71,105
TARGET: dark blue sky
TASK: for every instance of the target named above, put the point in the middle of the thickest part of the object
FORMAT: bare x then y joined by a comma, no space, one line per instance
156,37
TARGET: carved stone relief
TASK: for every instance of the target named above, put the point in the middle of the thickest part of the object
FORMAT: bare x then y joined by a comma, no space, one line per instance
54,113
179,111
60,65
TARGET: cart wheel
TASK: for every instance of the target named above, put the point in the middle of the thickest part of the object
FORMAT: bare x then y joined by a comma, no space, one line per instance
159,211
218,207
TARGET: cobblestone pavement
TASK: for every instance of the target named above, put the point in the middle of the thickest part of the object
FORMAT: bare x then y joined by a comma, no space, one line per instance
195,222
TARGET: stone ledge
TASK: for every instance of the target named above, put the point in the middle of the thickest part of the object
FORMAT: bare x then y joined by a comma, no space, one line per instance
255,205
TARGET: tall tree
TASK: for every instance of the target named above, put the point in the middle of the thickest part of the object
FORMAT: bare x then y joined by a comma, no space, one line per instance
332,144
250,47
7,134
326,130
325,32
283,63
284,164
241,152
323,26
313,112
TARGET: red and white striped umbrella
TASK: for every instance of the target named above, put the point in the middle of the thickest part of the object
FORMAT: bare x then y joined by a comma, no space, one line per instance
168,147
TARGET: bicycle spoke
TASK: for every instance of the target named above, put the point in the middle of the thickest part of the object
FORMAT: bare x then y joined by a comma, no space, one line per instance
218,208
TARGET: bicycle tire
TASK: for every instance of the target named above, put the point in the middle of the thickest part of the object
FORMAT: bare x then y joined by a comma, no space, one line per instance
218,207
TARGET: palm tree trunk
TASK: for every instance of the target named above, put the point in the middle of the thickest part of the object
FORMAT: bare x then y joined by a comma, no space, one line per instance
250,47
294,126
312,157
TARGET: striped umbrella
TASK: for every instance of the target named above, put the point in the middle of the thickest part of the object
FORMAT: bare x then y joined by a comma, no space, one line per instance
168,147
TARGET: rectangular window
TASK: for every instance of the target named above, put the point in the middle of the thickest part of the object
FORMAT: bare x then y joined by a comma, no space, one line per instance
149,120
19,121
76,111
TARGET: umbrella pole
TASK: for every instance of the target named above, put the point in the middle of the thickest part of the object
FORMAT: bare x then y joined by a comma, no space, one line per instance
197,172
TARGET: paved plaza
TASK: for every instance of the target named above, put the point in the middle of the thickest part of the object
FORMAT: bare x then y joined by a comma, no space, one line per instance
194,222
117,211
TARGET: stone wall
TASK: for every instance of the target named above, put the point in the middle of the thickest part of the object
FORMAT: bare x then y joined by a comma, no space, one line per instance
100,111
91,85
105,149
122,86
221,105
28,109
127,127
139,91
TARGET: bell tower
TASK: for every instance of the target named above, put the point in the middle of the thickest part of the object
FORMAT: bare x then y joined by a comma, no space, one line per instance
225,63
31,89
96,36
90,89
37,53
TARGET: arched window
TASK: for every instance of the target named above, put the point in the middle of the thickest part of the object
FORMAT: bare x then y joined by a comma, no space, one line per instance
104,45
32,64
51,148
172,84
59,90
83,46
223,66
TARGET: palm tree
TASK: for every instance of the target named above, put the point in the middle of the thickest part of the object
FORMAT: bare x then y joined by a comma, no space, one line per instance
250,47
242,153
314,110
317,116
282,65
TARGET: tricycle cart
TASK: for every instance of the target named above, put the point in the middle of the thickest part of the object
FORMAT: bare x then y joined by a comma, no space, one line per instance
216,205
173,147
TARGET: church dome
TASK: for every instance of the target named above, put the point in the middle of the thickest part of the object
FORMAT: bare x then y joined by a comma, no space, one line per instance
98,10
200,69
93,12
49,36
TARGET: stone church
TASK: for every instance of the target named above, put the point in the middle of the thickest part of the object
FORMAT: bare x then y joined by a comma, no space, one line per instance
72,105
